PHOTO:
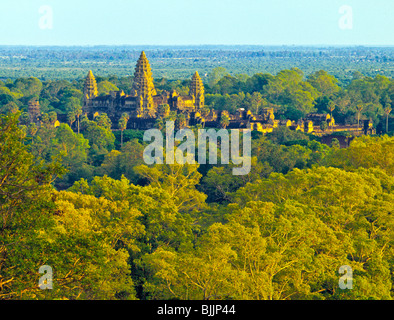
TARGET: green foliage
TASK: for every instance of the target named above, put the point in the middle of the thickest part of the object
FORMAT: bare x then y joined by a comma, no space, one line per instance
324,83
365,152
120,229
283,135
104,87
282,158
101,138
103,121
25,206
89,233
30,87
287,243
74,150
128,135
117,163
219,182
163,223
216,74
179,181
335,143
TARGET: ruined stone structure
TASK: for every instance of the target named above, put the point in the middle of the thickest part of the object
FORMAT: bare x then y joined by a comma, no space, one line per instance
34,110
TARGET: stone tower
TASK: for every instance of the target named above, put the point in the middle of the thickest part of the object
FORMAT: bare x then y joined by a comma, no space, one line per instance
143,87
197,90
34,110
90,89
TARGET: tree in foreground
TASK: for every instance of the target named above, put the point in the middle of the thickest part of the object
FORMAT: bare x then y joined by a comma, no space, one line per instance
25,207
286,238
123,126
387,111
76,234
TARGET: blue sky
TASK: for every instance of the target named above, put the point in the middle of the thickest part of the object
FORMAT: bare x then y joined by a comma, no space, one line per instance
194,22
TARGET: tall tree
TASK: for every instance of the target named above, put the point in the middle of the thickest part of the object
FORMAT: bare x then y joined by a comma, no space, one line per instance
387,111
325,84
224,120
103,121
25,208
122,124
359,108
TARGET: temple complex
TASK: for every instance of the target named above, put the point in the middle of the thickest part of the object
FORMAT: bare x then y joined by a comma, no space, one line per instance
144,106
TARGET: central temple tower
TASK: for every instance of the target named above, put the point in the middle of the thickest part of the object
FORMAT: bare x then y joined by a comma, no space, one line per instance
197,90
143,87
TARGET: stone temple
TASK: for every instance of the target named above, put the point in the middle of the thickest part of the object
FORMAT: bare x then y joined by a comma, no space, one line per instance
142,104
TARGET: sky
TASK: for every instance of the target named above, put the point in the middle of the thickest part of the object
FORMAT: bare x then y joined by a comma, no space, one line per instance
197,22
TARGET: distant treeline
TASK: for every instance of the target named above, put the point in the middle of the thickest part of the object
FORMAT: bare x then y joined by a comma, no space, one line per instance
179,62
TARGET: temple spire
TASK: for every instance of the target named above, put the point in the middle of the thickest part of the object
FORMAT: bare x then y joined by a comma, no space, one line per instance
90,88
197,90
143,86
34,110
143,80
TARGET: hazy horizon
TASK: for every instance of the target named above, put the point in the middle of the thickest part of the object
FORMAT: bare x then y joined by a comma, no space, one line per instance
210,46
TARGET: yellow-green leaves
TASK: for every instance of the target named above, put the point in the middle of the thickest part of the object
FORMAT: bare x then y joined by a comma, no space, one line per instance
366,152
90,245
285,238
179,181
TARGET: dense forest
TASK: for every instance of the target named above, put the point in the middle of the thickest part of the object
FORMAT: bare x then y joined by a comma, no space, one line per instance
82,200
180,62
